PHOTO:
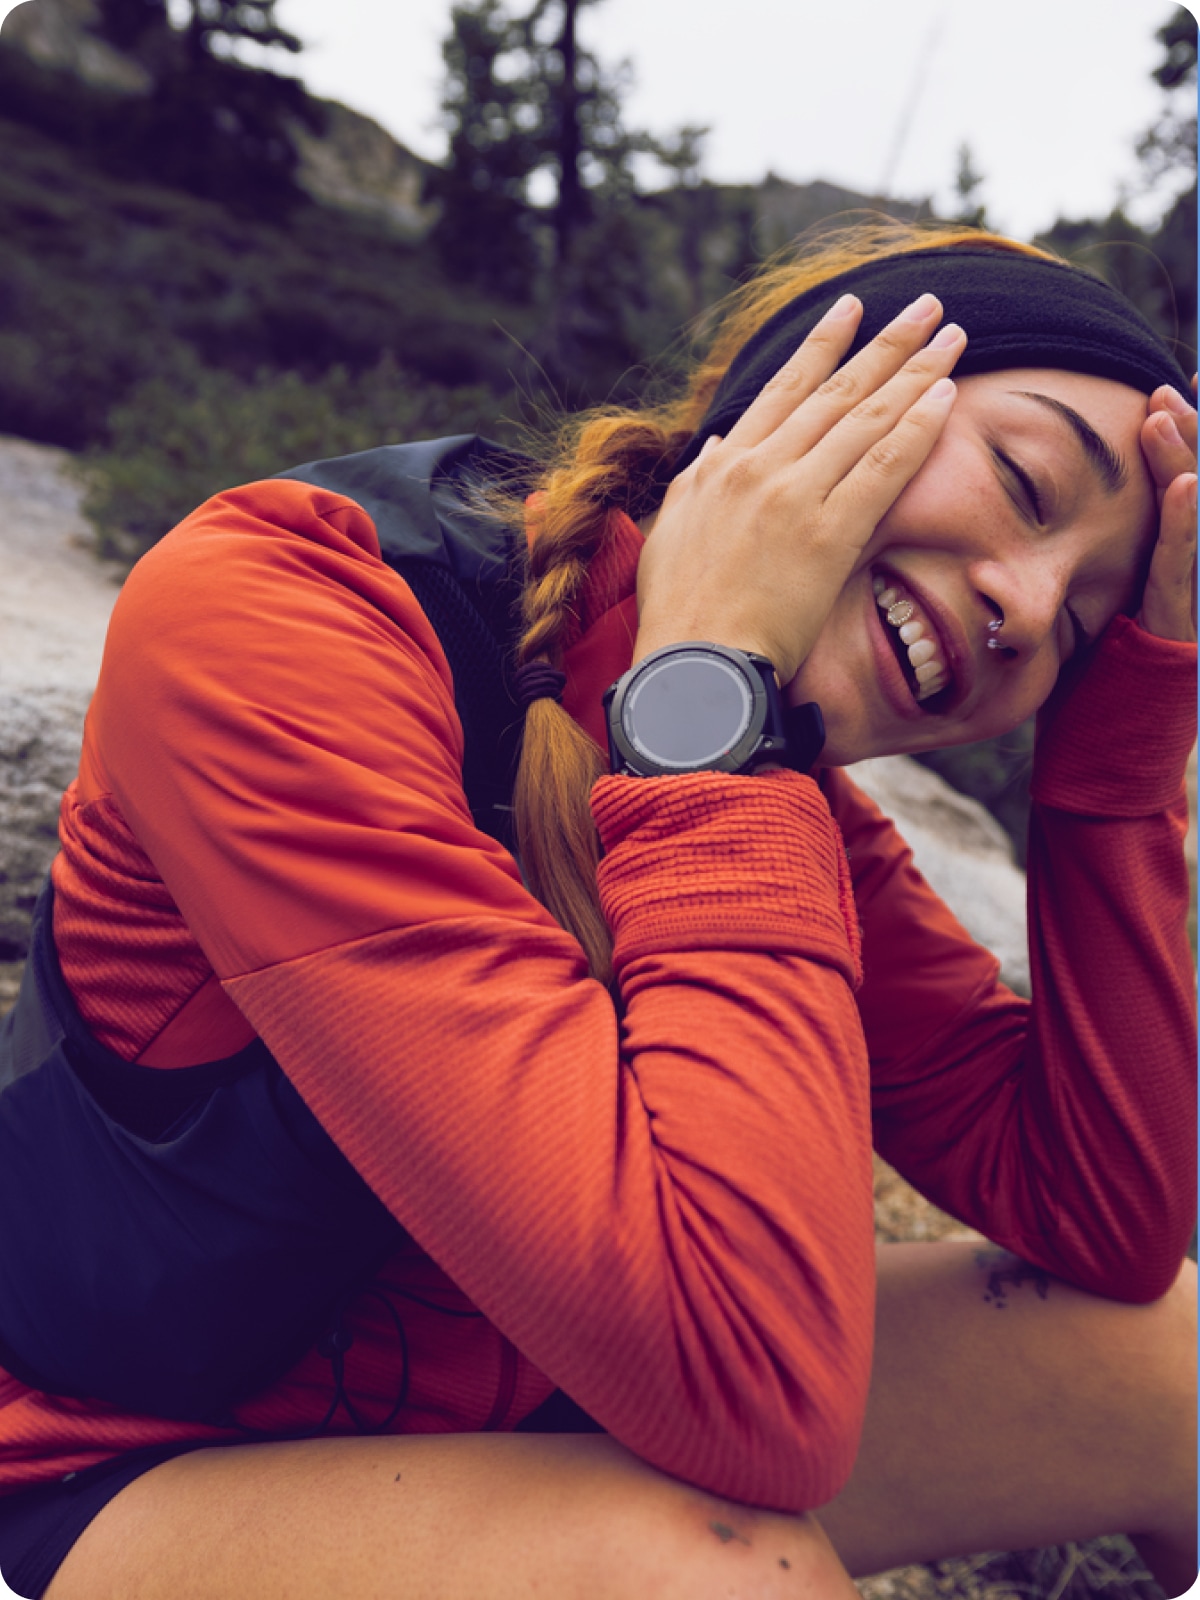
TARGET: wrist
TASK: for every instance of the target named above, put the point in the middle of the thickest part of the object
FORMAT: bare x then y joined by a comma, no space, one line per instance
1117,743
702,707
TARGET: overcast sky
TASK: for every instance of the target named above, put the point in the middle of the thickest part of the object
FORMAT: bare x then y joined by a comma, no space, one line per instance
1049,94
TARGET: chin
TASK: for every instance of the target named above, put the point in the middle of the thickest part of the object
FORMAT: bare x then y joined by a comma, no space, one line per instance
844,753
848,739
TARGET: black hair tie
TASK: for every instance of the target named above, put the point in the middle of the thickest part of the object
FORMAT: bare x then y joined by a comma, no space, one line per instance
538,680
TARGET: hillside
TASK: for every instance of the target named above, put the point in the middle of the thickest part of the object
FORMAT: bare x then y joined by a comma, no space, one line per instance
138,240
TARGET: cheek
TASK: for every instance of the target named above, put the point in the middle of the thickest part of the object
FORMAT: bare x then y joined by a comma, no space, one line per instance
941,502
1015,701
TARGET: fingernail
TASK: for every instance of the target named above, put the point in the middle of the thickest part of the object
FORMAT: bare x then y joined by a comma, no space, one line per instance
921,310
1175,402
841,309
1168,432
948,335
943,390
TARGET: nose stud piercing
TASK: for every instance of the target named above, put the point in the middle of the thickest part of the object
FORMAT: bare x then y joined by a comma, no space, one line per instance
993,628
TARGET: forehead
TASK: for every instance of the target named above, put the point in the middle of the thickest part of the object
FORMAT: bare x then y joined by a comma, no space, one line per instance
1114,409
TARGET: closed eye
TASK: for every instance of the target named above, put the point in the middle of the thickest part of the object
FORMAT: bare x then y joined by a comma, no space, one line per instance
1028,488
1034,506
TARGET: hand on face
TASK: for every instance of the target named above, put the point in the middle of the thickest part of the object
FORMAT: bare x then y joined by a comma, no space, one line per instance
755,541
1168,441
1036,510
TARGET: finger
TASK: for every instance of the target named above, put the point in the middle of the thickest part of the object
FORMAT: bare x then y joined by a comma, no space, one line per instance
860,383
1169,602
877,477
830,450
803,372
1166,448
807,374
1170,402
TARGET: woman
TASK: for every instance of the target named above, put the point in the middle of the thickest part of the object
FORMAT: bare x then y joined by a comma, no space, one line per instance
645,1211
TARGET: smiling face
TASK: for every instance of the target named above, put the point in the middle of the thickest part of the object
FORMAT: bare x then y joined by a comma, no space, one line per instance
1035,511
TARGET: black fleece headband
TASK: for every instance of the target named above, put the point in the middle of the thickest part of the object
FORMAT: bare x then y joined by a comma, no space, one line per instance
1017,310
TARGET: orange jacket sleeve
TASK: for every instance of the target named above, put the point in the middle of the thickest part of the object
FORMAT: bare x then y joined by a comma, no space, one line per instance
1064,1127
668,1211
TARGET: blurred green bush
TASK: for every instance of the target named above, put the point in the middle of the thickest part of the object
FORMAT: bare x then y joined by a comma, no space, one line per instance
108,282
175,440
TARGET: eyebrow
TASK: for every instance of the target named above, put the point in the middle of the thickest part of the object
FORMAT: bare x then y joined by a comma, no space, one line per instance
1113,472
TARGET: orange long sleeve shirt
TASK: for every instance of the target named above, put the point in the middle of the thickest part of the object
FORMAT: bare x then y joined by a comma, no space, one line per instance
667,1213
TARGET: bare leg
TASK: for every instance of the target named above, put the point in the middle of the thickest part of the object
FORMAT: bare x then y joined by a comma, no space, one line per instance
1009,1411
484,1517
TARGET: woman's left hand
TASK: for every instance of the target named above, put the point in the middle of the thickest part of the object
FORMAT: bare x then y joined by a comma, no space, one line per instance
1169,445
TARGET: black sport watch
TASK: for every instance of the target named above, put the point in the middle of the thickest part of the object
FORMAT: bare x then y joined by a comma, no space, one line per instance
706,708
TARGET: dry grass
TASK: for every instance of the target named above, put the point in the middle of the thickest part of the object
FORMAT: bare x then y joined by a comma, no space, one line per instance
1068,1572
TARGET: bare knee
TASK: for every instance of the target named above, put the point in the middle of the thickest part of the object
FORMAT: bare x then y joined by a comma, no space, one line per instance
678,1543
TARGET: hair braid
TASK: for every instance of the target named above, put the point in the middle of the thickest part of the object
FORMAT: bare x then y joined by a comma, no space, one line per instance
623,463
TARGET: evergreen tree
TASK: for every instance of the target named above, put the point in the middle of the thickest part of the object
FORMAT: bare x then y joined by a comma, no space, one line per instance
225,20
213,125
1167,148
967,180
491,106
126,23
524,98
1170,143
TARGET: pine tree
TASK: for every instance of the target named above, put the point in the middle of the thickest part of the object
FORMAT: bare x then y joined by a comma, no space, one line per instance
490,103
225,20
524,100
125,23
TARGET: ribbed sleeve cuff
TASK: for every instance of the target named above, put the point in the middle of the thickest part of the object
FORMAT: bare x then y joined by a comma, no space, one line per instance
1116,743
718,861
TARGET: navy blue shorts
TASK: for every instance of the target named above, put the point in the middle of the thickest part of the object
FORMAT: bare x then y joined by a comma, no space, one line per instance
38,1526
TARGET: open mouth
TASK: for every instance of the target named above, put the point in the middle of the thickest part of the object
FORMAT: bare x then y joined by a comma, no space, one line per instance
915,641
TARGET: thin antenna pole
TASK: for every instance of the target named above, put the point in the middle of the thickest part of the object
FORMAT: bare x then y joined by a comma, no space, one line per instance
907,116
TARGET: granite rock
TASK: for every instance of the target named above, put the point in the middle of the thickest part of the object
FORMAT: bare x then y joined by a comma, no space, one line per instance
55,600
962,852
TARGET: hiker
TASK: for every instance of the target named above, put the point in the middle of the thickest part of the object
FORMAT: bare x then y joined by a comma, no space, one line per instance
424,1181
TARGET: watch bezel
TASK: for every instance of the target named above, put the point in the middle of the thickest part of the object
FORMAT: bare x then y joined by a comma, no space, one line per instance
759,740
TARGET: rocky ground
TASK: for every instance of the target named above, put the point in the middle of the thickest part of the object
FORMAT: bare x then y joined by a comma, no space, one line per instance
55,597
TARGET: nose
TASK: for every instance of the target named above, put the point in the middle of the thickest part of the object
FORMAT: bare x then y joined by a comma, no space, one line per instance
1025,595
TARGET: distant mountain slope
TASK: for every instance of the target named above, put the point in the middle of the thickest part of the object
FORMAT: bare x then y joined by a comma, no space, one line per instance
353,165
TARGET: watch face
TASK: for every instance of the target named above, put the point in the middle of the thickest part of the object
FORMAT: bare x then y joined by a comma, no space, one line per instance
688,710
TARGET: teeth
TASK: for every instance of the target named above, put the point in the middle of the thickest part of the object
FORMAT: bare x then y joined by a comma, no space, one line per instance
924,655
921,654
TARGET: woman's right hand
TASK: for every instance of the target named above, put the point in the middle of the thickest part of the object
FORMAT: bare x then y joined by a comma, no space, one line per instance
756,539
